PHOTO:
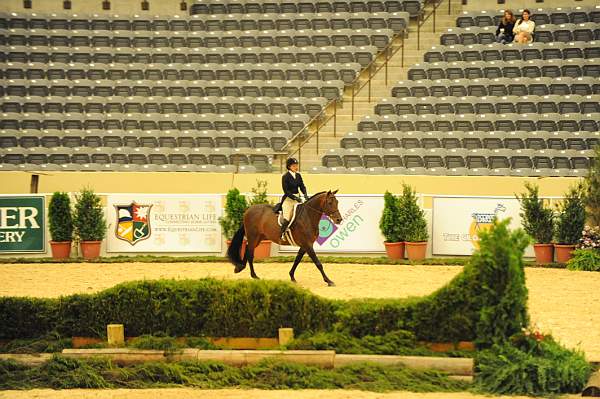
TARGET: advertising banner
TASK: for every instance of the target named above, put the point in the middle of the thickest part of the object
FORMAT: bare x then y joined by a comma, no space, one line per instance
22,224
457,222
359,230
163,223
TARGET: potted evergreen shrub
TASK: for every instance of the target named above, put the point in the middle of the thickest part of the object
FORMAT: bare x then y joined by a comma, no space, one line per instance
570,223
389,224
538,222
235,206
61,225
415,225
89,223
259,197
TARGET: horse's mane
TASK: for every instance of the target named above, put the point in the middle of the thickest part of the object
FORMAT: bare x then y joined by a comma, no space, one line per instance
314,195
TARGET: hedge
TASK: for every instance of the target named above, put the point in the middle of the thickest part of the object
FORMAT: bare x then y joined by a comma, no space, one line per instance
176,308
485,303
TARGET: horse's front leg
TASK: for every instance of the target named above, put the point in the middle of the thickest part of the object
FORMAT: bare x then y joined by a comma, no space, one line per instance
299,257
317,262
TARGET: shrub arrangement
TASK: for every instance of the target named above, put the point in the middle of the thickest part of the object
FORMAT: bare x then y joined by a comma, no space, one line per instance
390,224
587,255
59,217
204,307
235,206
532,364
88,217
571,216
412,216
484,303
259,194
538,220
65,373
585,260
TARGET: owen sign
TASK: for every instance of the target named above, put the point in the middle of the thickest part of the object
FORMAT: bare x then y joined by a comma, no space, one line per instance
22,224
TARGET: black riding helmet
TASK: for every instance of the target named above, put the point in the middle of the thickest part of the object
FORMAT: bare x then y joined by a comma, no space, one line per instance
290,162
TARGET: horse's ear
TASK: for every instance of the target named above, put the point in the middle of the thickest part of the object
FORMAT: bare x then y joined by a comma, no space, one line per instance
335,192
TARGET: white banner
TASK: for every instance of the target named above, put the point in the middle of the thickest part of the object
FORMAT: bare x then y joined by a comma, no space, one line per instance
458,221
163,223
358,232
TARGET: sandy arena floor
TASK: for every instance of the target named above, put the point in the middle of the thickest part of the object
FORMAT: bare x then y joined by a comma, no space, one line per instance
565,303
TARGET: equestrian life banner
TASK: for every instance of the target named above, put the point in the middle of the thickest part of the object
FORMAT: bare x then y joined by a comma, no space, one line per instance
22,224
359,230
457,222
163,223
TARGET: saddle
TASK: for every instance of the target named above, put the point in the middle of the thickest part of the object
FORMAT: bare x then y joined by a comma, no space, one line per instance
288,237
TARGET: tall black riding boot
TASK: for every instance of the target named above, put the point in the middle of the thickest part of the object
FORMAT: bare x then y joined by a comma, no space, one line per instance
284,226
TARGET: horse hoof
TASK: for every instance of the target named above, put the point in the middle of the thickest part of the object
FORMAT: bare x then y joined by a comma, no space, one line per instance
294,280
238,269
331,284
255,277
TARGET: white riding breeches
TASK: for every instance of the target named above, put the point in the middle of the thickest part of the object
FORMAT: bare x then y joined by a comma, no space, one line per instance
288,208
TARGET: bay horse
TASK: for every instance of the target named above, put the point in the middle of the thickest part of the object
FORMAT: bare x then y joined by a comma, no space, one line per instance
260,223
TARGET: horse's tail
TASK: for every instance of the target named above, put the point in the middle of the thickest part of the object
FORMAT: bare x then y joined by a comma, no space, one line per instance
233,253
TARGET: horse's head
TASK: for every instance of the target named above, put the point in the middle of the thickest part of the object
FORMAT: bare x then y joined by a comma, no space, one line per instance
330,207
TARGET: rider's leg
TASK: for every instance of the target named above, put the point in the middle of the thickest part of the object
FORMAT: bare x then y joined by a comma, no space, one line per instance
284,226
287,208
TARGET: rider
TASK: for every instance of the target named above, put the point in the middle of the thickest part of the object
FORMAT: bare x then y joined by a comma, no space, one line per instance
291,183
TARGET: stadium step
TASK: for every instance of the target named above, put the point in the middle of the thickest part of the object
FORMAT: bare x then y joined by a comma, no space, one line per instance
346,118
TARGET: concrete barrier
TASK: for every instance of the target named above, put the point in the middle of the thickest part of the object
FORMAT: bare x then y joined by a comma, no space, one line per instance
592,388
34,359
450,365
326,359
231,357
118,355
240,358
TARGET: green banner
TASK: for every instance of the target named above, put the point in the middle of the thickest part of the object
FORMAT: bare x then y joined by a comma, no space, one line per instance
22,224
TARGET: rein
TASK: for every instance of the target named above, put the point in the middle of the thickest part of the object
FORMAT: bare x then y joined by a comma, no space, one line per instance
312,208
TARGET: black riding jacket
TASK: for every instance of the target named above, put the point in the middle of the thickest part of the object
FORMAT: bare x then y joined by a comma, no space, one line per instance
291,186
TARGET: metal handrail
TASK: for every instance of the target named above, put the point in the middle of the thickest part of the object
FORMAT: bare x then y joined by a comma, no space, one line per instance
422,18
356,81
369,68
315,118
319,124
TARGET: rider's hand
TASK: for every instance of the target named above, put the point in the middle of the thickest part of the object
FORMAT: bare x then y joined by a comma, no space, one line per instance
305,197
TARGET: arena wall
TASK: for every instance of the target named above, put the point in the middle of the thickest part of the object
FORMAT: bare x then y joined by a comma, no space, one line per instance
202,183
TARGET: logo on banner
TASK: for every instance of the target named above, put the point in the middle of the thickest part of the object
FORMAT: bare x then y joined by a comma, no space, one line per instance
483,222
326,229
133,222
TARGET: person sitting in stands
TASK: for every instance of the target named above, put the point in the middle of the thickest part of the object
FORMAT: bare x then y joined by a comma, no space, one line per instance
523,29
504,33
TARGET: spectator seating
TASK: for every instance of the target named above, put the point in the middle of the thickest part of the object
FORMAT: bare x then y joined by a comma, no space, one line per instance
221,89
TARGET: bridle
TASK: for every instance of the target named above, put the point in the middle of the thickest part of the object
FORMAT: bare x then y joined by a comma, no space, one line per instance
316,209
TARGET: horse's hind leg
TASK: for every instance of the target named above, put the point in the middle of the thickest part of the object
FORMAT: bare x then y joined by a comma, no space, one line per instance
250,256
301,253
317,262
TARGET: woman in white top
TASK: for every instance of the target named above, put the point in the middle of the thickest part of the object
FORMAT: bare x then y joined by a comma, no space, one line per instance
523,29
